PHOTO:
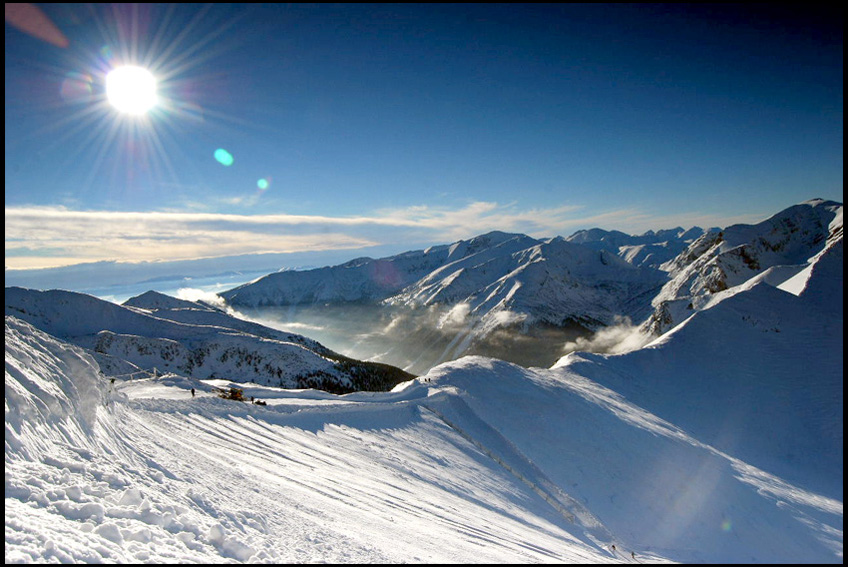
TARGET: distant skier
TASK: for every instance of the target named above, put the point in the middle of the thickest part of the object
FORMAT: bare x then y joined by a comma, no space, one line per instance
192,392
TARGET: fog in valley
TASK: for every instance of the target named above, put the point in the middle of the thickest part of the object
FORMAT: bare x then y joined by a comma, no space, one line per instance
416,339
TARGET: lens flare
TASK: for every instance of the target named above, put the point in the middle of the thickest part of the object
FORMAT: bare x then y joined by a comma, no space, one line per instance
263,184
131,90
76,88
224,157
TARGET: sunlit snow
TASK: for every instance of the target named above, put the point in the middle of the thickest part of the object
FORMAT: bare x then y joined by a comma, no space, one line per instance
719,442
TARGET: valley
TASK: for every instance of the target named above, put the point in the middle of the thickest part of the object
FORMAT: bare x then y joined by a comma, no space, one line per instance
416,339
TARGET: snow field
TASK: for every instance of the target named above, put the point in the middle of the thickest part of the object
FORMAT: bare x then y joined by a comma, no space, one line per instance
480,461
210,480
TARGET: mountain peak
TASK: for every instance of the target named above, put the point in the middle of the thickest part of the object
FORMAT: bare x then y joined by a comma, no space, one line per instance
156,300
819,202
495,237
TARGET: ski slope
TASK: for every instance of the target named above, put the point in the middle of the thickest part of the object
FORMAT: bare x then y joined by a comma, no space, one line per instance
479,461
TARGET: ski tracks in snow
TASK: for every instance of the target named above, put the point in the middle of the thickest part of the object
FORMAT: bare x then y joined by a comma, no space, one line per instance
373,480
457,415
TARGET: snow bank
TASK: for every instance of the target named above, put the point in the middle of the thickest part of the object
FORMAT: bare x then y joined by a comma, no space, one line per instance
54,392
759,375
157,333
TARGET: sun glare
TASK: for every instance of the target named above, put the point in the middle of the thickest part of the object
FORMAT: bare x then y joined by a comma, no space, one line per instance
131,90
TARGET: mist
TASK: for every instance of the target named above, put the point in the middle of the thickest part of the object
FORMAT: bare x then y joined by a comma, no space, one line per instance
416,339
412,339
619,338
204,296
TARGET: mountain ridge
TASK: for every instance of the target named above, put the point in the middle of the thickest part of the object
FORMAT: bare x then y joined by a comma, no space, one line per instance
154,332
787,242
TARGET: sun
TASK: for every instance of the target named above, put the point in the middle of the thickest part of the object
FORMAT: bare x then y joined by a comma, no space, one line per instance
131,90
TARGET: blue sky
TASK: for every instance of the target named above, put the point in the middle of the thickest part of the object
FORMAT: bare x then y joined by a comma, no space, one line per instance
398,126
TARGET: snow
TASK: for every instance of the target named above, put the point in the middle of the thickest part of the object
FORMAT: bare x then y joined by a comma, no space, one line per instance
758,375
650,249
550,281
720,441
545,292
359,478
786,245
152,333
479,461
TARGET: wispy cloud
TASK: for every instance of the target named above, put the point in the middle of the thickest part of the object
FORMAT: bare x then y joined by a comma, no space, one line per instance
49,237
38,237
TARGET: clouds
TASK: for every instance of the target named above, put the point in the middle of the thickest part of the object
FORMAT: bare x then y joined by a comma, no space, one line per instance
40,237
45,237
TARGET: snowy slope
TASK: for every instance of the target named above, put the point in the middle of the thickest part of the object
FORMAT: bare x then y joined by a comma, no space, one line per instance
784,244
554,282
501,279
156,333
652,485
757,375
480,461
363,279
651,249
309,478
719,442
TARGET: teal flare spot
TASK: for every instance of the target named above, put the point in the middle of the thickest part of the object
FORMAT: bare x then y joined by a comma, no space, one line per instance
224,157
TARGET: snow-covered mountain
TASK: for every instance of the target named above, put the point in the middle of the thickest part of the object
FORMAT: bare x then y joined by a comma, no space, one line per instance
506,295
721,442
757,374
154,332
365,279
552,281
521,299
499,278
651,249
773,250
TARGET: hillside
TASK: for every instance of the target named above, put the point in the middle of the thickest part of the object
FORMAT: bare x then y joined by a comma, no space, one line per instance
720,441
486,295
757,375
503,279
777,249
552,282
154,332
479,461
651,249
365,279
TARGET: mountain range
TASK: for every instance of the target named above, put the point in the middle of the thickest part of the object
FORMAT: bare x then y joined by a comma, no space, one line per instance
719,441
499,289
503,278
775,249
